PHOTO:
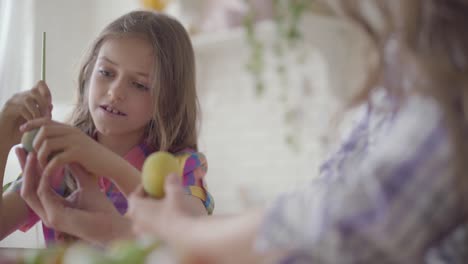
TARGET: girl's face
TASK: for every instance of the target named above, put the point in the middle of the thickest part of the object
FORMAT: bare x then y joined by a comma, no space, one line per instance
120,99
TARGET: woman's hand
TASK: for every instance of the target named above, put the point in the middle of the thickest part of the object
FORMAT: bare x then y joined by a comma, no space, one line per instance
209,239
160,218
86,213
22,107
172,221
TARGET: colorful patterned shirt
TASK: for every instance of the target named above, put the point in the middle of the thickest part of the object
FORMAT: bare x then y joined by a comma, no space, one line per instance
193,181
388,195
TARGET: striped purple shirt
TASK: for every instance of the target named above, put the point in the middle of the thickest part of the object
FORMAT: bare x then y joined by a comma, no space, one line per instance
388,195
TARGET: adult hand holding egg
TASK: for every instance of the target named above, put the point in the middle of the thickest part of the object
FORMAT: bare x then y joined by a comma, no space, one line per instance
161,180
155,170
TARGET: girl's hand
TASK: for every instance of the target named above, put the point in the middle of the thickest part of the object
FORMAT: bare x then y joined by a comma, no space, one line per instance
86,213
25,106
58,144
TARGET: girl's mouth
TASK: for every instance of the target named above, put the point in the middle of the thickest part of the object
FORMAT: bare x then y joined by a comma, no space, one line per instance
109,109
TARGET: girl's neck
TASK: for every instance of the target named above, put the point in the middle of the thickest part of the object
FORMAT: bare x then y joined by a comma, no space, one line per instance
120,145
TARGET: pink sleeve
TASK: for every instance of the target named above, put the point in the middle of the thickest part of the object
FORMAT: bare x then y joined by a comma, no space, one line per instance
195,169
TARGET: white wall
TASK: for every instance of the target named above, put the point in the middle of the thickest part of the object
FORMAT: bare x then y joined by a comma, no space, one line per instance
69,26
15,49
243,136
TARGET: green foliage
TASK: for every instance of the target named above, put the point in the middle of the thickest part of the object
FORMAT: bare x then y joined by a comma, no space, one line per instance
287,16
287,19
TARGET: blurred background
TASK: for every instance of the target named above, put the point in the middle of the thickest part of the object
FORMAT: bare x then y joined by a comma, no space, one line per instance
269,78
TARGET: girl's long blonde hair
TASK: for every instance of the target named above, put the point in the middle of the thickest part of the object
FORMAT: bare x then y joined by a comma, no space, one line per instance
175,114
432,41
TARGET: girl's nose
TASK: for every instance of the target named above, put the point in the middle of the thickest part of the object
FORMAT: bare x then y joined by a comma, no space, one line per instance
116,91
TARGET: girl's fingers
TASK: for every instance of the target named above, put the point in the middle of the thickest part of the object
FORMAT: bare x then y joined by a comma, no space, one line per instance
44,91
36,123
51,107
33,107
49,130
49,149
26,114
58,160
30,183
43,96
41,103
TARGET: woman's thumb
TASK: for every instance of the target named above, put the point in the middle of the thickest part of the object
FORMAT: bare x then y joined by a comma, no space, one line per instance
173,184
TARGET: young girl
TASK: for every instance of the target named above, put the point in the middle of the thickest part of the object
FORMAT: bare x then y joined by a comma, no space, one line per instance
136,95
395,192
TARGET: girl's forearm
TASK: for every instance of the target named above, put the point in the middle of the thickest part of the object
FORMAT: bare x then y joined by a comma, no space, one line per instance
105,163
123,174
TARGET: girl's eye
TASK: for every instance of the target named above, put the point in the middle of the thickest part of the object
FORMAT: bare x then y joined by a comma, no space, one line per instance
140,86
105,73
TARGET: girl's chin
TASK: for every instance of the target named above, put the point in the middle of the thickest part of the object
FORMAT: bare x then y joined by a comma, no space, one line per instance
107,130
115,132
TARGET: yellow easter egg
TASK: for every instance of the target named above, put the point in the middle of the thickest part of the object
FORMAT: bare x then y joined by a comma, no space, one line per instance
158,5
28,138
155,170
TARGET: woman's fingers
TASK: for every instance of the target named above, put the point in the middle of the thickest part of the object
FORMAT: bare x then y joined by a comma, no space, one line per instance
139,192
30,184
135,200
22,155
173,187
142,211
53,204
